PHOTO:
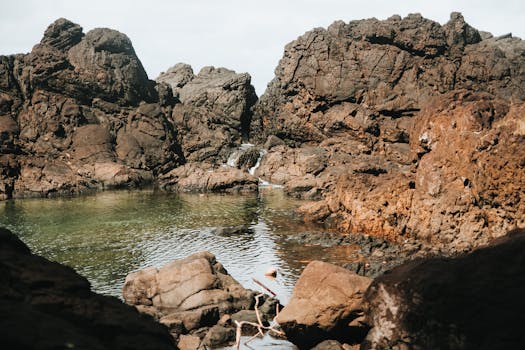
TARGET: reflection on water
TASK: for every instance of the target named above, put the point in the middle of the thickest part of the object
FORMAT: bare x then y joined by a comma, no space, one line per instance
108,235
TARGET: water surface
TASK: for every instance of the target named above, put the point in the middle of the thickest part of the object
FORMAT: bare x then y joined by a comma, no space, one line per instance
107,235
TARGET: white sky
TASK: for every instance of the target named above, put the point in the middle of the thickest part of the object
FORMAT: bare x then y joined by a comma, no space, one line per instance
247,36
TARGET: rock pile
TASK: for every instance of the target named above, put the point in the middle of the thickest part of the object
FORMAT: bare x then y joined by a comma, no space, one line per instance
432,303
196,299
79,113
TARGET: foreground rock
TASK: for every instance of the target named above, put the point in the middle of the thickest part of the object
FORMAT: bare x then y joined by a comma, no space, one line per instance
196,298
471,302
399,133
45,305
326,304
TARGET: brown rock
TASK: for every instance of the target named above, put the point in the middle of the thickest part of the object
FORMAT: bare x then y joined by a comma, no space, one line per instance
381,124
47,305
451,303
326,304
189,294
200,177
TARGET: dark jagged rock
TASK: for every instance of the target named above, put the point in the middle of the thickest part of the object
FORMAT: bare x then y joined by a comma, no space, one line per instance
46,305
62,34
470,302
363,106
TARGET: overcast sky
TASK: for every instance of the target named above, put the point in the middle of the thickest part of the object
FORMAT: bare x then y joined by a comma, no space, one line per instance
243,35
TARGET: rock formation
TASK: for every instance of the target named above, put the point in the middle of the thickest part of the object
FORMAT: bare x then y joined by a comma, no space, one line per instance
405,128
326,304
45,305
79,113
216,110
470,302
196,298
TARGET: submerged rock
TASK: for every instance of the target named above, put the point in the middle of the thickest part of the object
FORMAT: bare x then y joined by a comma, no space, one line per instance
189,294
45,305
326,304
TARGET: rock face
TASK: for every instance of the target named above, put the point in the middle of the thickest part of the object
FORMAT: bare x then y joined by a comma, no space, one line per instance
215,112
403,127
45,305
452,303
326,304
190,295
79,113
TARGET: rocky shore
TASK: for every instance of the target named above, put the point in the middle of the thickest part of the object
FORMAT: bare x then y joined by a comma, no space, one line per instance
407,138
431,303
399,129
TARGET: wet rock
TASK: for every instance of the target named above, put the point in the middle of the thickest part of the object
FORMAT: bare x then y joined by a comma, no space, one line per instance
326,304
190,294
233,230
451,303
248,158
47,305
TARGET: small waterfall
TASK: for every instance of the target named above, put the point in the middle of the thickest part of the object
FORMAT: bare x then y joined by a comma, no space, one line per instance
262,152
234,157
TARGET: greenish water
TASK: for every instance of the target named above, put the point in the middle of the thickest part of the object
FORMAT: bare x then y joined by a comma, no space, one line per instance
107,235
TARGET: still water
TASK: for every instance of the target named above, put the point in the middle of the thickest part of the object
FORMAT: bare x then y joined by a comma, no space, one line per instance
107,235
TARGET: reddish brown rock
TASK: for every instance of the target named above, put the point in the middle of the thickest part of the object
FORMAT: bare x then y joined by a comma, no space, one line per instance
398,130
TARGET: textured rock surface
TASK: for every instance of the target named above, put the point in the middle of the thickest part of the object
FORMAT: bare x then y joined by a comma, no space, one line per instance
45,305
189,296
215,112
470,302
78,113
405,128
326,304
202,177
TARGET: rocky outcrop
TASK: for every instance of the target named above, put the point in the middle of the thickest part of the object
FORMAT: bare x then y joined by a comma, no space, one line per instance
78,113
46,305
470,302
326,304
404,128
215,113
194,297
